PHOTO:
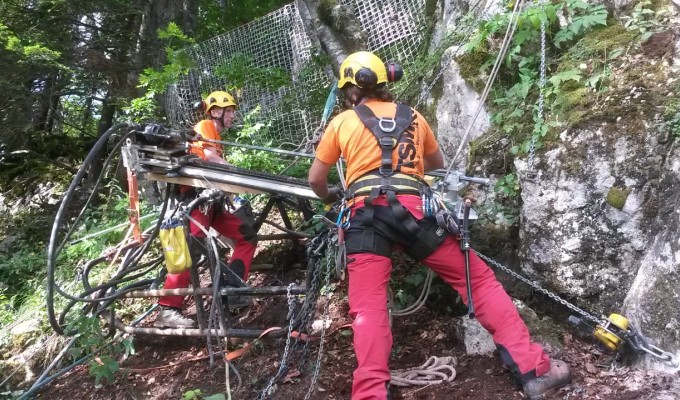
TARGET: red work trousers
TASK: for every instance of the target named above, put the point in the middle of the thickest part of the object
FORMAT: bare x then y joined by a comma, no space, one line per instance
369,275
227,224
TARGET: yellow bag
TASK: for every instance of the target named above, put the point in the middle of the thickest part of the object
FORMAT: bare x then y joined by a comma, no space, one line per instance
175,247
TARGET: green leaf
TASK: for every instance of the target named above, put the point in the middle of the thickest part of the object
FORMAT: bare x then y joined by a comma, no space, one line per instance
415,279
218,396
192,394
128,346
569,75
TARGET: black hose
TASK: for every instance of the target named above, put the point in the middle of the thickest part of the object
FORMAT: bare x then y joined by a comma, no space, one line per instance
122,276
54,235
74,225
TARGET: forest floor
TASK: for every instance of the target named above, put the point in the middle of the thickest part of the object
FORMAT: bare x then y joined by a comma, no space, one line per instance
166,367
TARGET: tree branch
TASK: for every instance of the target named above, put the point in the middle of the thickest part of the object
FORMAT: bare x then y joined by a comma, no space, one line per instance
42,157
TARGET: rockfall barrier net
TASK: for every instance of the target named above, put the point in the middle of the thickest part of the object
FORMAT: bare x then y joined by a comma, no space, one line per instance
270,65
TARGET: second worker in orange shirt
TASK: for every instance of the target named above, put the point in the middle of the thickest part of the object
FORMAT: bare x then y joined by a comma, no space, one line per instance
220,108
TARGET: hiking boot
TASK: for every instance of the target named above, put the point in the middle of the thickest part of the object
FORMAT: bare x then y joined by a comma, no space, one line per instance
558,376
173,318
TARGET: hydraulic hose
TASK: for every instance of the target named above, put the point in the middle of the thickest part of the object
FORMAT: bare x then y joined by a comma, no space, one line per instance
63,207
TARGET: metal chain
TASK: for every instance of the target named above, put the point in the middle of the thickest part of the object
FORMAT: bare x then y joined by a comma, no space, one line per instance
434,81
314,251
284,358
326,284
540,289
541,86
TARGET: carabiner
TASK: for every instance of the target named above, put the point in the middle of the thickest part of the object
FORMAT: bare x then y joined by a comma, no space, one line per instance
343,218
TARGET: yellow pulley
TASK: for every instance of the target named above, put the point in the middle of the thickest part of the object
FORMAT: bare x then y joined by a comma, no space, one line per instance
612,331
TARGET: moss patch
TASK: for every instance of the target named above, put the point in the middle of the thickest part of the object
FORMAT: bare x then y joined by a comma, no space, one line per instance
469,64
593,51
325,11
617,197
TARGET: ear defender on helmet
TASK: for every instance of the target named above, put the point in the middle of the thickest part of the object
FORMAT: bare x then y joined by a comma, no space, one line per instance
394,71
365,78
199,106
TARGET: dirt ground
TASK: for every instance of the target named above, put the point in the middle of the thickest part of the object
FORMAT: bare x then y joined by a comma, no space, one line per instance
169,367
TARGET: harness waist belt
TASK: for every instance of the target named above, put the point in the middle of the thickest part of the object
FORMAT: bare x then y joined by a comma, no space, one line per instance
400,183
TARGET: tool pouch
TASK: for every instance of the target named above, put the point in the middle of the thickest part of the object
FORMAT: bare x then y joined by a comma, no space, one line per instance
175,247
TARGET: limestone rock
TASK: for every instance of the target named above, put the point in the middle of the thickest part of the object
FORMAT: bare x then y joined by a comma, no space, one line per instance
477,340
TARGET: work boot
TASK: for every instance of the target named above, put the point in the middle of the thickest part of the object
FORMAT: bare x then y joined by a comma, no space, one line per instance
172,318
558,376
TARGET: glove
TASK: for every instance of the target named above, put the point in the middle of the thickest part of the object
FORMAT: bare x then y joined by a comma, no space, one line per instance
334,194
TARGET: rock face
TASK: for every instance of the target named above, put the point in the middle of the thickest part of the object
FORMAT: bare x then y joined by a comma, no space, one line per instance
456,106
456,109
601,223
600,226
583,224
653,301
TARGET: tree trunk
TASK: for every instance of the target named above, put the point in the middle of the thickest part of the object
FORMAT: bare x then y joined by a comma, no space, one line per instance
105,122
42,124
322,35
189,13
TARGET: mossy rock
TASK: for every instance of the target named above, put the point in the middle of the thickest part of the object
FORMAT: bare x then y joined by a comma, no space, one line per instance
545,327
596,44
325,10
617,197
20,374
469,64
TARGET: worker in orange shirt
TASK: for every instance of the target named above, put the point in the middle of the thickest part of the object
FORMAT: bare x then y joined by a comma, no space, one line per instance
387,148
220,108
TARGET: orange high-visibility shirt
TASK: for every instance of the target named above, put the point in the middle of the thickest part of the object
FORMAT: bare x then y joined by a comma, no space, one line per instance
207,130
347,136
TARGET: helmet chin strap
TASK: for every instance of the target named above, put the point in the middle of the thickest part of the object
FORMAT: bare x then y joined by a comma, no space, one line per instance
220,118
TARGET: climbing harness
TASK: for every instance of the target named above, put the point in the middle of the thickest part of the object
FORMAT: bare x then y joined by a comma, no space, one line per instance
387,131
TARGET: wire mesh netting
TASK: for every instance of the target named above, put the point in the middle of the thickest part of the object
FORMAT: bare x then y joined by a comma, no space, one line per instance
269,64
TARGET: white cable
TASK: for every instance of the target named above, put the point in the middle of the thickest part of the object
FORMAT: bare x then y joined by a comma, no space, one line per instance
422,298
509,32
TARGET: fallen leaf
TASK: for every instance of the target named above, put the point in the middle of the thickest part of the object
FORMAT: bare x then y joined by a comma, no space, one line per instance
293,373
590,367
